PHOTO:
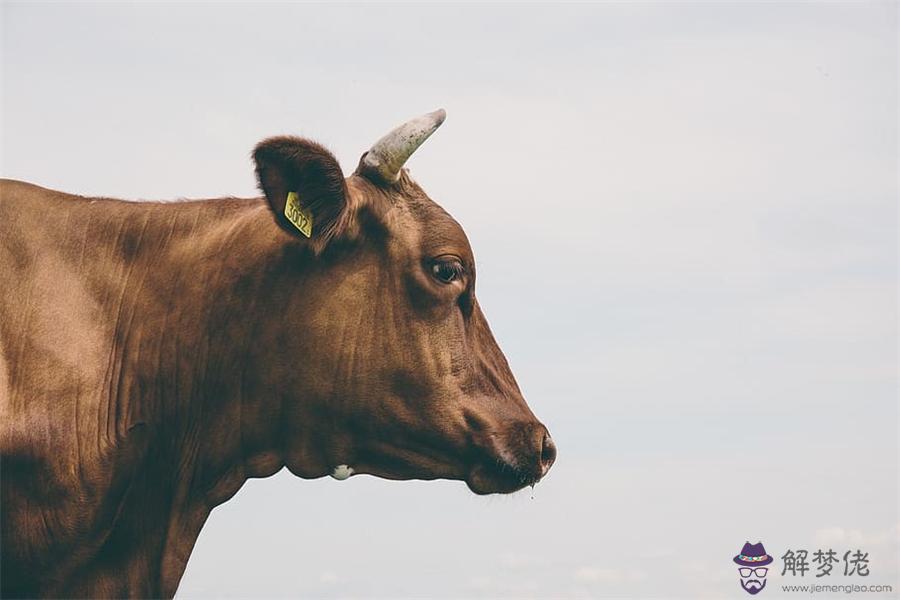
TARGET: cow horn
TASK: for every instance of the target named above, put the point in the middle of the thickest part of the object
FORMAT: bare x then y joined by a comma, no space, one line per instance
389,154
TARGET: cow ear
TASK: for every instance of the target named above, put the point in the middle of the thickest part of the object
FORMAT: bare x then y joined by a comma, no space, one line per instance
305,188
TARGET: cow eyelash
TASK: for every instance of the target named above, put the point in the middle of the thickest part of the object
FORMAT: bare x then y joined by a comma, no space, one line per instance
447,270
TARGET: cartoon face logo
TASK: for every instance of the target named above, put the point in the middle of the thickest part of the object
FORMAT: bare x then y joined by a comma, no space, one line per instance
752,568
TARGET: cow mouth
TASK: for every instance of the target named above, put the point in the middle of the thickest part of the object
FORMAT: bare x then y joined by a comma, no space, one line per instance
486,468
521,457
500,477
495,477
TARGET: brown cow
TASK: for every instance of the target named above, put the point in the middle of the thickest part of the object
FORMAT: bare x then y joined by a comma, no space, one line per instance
154,356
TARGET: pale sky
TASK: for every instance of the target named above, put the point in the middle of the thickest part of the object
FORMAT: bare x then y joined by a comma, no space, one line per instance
685,220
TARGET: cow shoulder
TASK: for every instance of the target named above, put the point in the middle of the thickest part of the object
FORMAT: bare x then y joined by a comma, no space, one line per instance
63,472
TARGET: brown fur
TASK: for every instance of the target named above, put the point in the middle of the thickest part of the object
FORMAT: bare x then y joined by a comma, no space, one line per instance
153,356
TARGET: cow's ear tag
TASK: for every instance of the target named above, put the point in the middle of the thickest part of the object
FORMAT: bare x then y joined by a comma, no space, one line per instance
301,218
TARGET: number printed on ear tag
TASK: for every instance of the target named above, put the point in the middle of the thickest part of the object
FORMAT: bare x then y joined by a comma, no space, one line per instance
296,214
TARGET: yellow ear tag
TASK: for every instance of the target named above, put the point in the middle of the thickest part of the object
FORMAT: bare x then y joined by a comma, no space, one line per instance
296,214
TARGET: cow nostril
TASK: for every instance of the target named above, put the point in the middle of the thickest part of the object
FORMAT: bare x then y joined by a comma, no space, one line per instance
548,453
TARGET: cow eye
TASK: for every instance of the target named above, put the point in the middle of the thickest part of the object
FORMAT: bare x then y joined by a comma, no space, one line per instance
447,270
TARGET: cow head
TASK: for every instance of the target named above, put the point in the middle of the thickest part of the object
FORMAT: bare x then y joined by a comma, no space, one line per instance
381,357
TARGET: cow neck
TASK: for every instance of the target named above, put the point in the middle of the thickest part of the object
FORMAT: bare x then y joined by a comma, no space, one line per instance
194,399
219,420
182,390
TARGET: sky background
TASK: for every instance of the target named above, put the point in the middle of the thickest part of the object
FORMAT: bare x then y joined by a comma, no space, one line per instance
685,221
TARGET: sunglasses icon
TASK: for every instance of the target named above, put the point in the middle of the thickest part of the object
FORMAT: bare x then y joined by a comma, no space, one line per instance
758,571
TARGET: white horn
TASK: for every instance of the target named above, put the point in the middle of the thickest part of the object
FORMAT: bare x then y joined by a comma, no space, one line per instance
389,154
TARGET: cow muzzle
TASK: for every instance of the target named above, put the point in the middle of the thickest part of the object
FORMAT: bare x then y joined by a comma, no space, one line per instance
517,457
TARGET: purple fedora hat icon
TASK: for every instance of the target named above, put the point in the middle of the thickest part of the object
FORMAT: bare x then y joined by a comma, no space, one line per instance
753,555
